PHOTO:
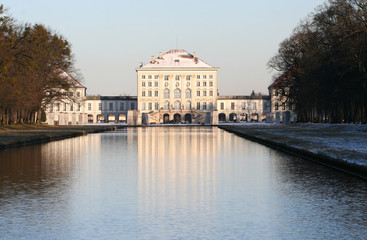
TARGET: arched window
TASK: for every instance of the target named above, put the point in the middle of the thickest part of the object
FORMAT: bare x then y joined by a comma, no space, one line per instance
177,93
188,105
177,77
188,93
166,105
166,93
188,77
177,105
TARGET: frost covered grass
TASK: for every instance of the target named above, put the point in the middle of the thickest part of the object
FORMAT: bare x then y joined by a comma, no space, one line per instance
345,142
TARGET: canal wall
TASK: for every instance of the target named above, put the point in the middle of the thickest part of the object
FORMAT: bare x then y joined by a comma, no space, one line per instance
296,141
33,134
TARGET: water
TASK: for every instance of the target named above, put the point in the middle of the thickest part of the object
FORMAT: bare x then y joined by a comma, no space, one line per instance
173,183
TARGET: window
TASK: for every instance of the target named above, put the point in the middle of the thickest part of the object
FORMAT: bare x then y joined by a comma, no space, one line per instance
58,107
143,84
210,76
71,107
149,84
149,93
204,105
166,105
100,106
198,106
121,106
204,76
243,105
111,106
198,93
132,106
150,106
166,93
222,106
155,84
198,84
188,93
149,76
156,76
204,93
89,106
276,106
188,77
211,84
78,109
156,106
71,94
64,106
283,106
204,84
143,93
232,105
211,106
177,105
51,107
143,105
156,94
166,77
177,77
254,106
211,93
143,77
188,105
198,77
177,93
78,94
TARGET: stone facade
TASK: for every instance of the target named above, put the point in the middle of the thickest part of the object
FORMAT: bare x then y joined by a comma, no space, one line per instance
282,109
176,87
254,108
69,109
103,109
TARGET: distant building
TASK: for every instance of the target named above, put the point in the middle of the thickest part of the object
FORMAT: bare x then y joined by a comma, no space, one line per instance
69,109
253,108
176,87
282,106
101,109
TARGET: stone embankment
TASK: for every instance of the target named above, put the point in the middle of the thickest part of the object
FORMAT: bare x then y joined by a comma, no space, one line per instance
343,147
20,135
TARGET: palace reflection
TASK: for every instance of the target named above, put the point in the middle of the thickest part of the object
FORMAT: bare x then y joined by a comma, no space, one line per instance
179,165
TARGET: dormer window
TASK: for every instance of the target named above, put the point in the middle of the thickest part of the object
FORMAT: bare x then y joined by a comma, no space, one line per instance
177,60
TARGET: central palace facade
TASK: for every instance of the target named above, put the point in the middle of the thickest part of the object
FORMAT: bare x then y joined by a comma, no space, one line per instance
175,87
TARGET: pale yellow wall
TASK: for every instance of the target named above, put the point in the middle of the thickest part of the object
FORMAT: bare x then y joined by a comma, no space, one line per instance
172,84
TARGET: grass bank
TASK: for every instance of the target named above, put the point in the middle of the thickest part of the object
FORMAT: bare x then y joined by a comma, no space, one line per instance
20,135
343,147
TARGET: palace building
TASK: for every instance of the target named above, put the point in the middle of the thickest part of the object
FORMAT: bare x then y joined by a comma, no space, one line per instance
176,87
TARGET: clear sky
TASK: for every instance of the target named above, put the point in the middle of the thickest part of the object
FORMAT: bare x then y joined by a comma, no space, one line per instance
109,38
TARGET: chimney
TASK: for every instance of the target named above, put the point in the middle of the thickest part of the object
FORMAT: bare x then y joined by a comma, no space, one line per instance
160,55
153,60
194,55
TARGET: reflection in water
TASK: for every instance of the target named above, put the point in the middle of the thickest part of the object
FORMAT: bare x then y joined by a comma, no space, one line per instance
173,183
177,177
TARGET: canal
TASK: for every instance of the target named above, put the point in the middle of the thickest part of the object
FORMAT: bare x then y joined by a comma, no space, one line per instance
173,183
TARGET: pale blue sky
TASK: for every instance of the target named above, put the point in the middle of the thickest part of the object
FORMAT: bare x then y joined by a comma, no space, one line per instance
111,37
